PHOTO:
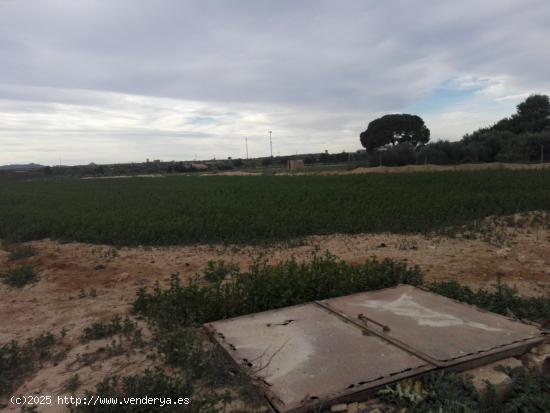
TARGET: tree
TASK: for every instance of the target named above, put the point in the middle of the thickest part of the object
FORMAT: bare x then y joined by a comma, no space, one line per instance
395,129
533,115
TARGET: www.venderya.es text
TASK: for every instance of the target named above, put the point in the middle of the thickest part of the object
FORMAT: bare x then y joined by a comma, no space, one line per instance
97,400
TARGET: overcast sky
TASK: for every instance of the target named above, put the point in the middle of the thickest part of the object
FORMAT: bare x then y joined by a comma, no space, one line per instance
123,80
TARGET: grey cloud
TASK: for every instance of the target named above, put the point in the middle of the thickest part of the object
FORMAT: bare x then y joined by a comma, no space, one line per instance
333,63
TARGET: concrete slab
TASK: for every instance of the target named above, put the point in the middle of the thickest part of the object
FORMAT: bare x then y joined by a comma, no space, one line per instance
304,354
316,354
444,330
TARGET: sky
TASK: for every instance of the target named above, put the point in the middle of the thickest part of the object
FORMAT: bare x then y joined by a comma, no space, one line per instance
120,81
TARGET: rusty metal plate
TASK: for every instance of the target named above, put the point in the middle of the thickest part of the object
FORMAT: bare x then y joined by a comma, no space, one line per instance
437,328
303,355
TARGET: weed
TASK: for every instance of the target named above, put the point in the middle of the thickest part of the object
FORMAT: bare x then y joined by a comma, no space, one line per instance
502,300
72,384
20,252
153,383
125,328
265,287
99,330
217,271
19,276
18,361
451,393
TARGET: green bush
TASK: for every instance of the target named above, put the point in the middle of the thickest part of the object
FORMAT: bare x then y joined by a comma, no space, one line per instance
99,329
264,287
21,251
452,393
502,300
20,360
19,276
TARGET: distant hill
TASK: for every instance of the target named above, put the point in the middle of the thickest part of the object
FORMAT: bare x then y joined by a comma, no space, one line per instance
21,167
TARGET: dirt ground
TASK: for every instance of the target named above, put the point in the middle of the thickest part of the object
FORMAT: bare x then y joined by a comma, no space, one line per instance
394,169
520,256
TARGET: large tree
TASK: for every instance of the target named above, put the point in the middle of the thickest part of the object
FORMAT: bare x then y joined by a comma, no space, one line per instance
395,129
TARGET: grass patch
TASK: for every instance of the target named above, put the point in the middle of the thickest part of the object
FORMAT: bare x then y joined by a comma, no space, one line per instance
18,361
19,276
451,393
264,287
153,383
20,252
502,300
99,329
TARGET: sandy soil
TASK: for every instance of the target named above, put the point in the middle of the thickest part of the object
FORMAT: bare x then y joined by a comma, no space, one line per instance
522,257
391,169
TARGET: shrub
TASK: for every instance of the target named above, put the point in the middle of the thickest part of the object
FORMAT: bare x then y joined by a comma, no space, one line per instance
100,329
451,393
19,360
19,276
20,252
264,287
502,300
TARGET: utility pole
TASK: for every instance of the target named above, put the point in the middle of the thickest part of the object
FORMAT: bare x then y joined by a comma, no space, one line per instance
270,144
541,154
246,143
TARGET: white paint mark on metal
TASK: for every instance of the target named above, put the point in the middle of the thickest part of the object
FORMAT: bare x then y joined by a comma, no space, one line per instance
406,306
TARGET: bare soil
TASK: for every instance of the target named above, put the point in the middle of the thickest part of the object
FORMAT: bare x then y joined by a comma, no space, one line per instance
394,169
520,256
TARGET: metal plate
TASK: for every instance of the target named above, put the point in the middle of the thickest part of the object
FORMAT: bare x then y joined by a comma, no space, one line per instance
334,350
305,354
444,330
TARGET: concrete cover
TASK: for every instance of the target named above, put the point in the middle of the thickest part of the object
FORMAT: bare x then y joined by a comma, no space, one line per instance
322,352
443,329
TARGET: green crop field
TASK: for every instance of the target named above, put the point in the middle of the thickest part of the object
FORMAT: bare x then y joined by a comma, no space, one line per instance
183,210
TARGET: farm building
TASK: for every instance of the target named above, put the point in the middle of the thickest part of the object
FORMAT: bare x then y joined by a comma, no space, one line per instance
293,164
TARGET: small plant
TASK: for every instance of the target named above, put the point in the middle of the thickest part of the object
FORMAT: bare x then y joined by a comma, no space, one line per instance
17,361
264,287
451,393
19,276
72,384
100,329
20,252
217,271
502,299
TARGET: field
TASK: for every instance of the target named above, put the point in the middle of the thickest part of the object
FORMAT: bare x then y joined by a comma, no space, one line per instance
187,210
133,266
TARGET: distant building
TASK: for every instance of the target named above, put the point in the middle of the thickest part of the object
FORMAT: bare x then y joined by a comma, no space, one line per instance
294,164
196,165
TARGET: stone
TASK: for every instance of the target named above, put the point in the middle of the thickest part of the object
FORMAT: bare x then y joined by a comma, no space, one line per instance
497,378
342,407
353,407
541,350
537,363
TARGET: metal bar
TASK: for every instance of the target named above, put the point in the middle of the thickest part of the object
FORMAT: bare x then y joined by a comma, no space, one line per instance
383,336
366,319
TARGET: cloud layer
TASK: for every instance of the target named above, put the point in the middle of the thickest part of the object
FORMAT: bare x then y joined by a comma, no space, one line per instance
105,81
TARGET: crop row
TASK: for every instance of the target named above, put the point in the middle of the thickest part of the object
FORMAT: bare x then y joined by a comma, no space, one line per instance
182,210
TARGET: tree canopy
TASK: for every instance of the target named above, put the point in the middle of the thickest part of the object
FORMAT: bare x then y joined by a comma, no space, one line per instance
395,129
